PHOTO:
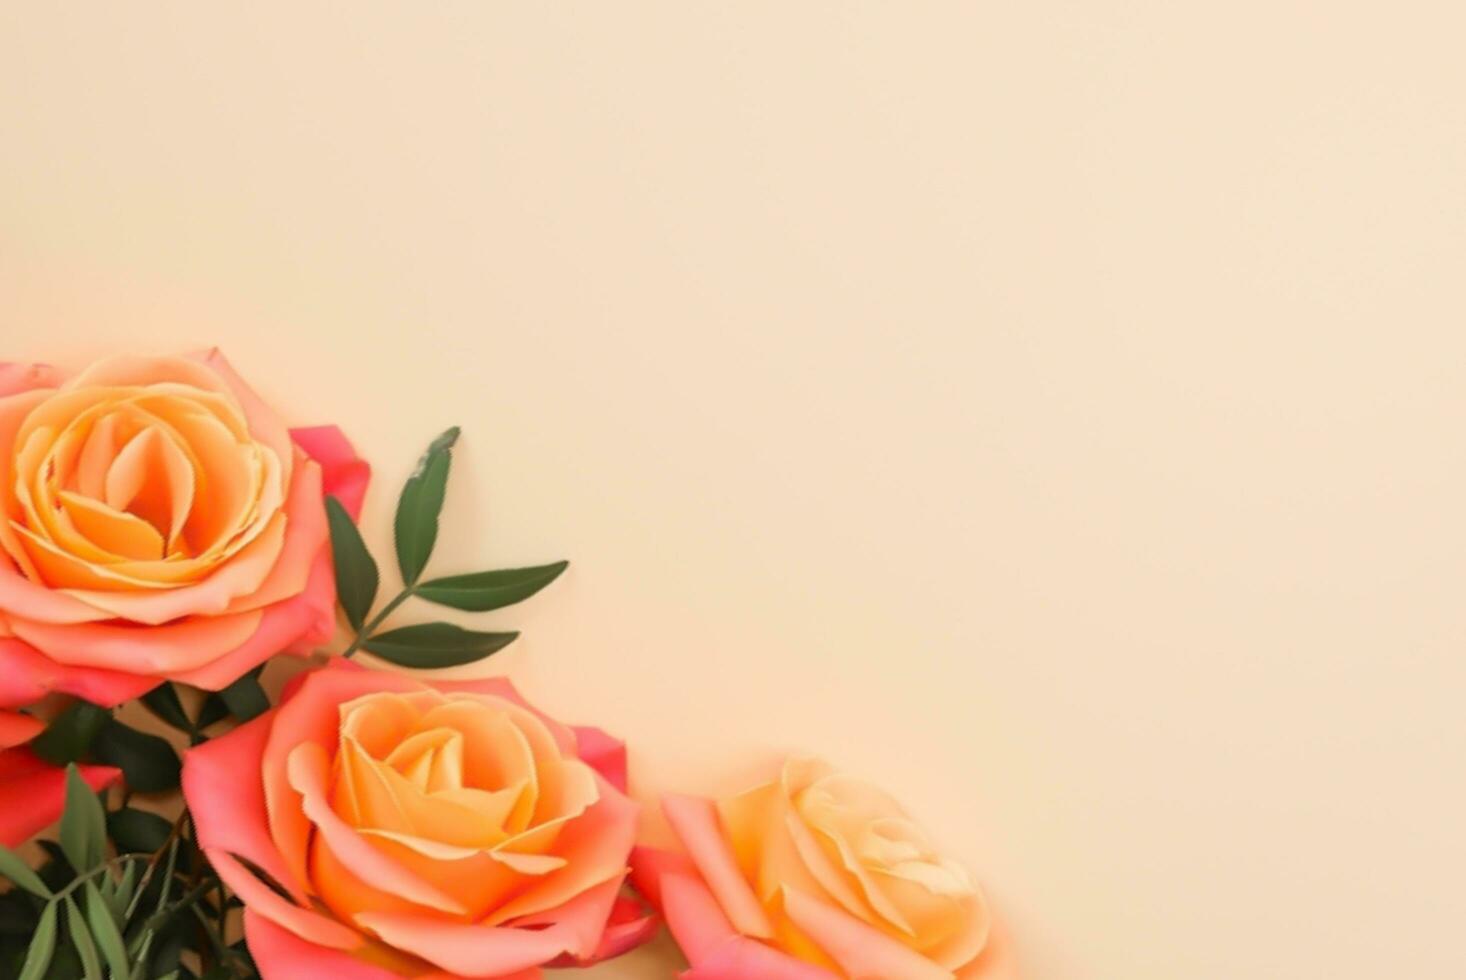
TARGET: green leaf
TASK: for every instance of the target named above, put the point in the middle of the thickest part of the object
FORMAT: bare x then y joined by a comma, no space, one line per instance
483,591
104,929
148,763
70,733
81,938
356,571
212,711
83,825
430,645
43,946
137,831
12,867
246,698
163,702
416,527
123,891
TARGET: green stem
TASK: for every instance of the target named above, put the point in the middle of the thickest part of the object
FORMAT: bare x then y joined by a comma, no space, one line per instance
82,879
370,628
169,850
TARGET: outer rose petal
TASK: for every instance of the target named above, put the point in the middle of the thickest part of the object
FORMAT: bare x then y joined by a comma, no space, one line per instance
696,822
282,626
693,915
227,798
583,918
25,377
146,650
259,897
860,949
27,675
33,793
343,474
468,950
17,728
704,933
650,866
282,955
604,753
628,927
740,959
997,961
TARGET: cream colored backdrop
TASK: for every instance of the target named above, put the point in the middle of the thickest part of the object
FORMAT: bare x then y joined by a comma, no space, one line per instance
1051,410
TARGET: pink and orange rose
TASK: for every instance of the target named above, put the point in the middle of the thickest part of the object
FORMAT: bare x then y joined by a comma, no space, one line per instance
817,876
418,830
157,521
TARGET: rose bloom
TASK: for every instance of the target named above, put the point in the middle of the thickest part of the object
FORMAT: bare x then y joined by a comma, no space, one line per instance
407,829
33,792
816,876
157,521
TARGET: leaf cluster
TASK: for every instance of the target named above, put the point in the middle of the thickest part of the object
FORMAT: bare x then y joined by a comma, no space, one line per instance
415,534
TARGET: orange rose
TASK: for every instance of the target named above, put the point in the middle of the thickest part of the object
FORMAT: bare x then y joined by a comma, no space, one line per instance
817,876
417,830
157,521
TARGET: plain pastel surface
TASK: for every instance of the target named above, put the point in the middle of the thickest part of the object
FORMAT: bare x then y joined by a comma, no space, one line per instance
1051,411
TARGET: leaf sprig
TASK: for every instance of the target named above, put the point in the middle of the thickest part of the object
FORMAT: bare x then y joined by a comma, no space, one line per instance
415,534
124,917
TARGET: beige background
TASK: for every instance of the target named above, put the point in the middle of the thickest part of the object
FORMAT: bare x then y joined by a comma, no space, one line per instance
1051,410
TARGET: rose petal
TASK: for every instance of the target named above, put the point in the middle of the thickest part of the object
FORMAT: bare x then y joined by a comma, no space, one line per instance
344,474
178,646
17,729
308,768
264,424
18,594
283,627
468,950
274,567
309,712
33,793
649,865
583,919
997,962
696,823
308,924
603,753
693,915
16,377
502,687
594,847
26,676
859,949
740,958
282,955
227,799
628,927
